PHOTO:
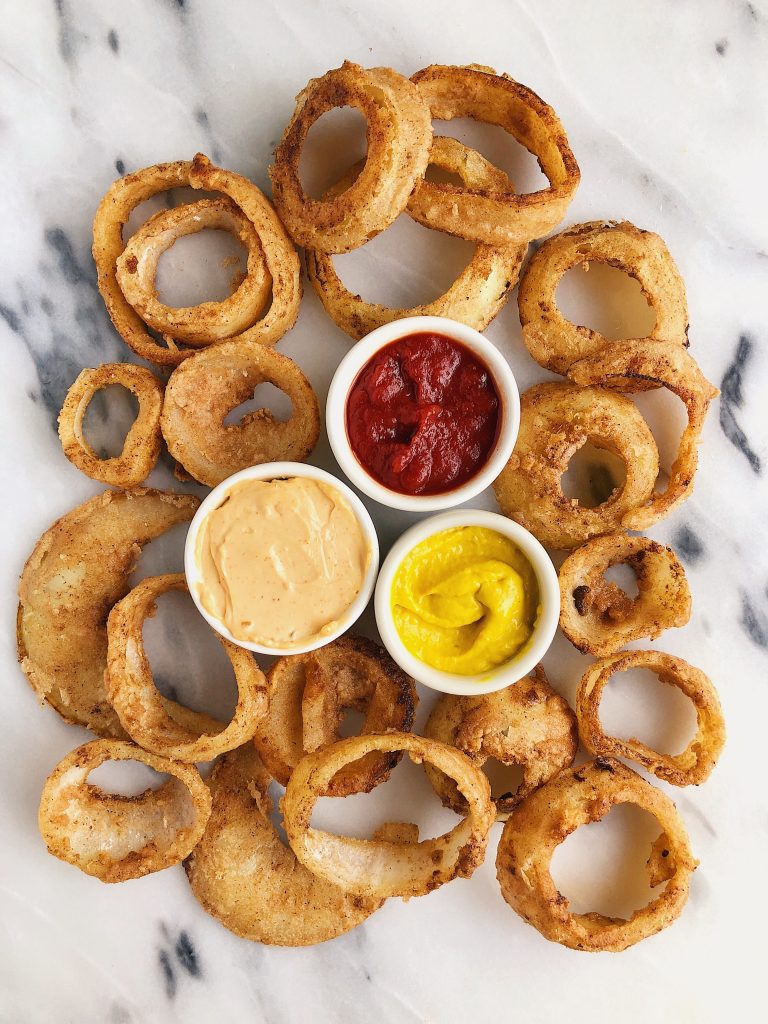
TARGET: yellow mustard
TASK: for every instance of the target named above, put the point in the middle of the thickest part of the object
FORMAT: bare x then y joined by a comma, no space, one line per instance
465,600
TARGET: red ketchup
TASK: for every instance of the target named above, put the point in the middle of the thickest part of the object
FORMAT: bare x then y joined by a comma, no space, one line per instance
423,414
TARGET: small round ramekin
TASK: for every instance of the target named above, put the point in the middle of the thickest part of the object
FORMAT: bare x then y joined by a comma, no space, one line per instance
346,375
275,471
502,675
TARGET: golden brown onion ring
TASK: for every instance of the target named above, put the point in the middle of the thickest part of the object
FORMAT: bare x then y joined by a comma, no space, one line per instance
688,768
78,570
543,820
141,447
621,364
201,392
399,137
553,341
555,421
526,724
308,694
474,298
380,868
115,838
245,876
134,696
598,617
491,213
208,321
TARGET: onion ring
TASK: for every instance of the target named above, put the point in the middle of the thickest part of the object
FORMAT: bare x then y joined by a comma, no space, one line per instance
598,617
490,213
134,695
526,724
621,364
381,868
78,570
555,421
688,768
201,392
553,341
207,321
543,820
474,298
141,448
308,694
399,138
245,876
115,838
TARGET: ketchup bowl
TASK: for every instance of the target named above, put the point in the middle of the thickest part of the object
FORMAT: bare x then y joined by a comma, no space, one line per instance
435,431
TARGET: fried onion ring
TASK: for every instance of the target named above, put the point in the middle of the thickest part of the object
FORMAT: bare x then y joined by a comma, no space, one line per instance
399,137
618,366
491,213
474,298
555,421
141,447
382,867
201,392
598,617
527,724
553,341
134,695
243,874
115,838
577,796
78,570
688,768
308,694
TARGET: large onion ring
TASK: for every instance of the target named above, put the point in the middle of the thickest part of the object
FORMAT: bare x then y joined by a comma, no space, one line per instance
201,392
555,421
598,617
553,341
141,447
115,838
620,365
493,214
308,694
376,867
139,706
474,298
541,822
245,876
688,768
399,137
78,570
207,321
526,724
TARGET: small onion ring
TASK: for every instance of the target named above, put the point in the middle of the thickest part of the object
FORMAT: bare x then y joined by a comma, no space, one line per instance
598,617
115,838
399,137
575,797
553,341
141,447
526,724
201,392
695,763
555,421
493,214
382,868
619,366
208,321
308,694
140,707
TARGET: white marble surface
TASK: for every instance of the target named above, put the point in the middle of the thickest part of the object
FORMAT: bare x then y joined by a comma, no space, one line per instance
665,106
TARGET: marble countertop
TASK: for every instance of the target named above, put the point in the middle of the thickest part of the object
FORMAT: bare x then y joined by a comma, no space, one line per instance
665,107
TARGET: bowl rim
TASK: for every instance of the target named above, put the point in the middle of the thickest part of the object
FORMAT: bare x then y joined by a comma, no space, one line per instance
273,471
